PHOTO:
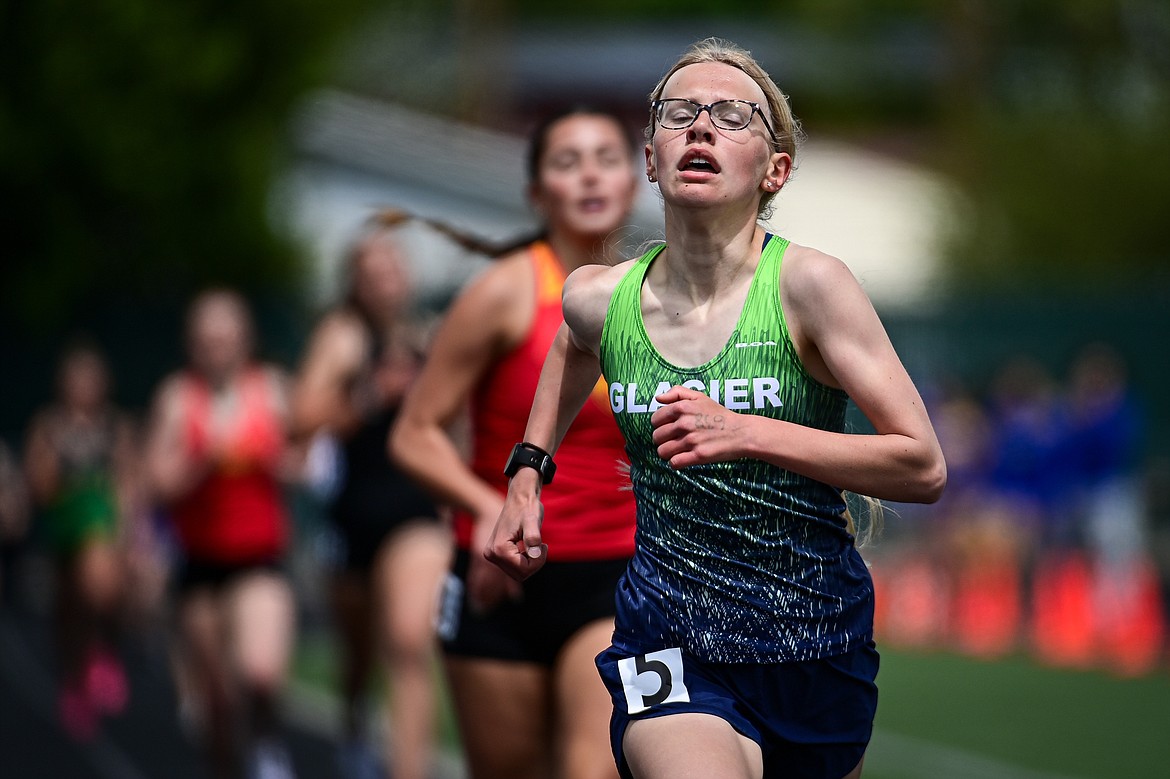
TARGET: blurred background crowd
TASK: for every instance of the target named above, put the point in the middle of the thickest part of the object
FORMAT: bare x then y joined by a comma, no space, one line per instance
995,173
1044,540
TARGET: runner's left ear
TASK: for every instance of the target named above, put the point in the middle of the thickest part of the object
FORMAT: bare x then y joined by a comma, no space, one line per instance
779,168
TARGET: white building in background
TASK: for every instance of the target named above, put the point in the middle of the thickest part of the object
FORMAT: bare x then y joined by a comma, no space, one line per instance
886,219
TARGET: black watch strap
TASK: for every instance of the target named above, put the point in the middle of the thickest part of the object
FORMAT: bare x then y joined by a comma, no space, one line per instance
526,455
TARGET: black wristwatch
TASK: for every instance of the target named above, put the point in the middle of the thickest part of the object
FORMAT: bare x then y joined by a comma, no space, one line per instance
526,455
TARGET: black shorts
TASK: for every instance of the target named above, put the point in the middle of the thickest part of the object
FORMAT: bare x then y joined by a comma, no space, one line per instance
197,574
363,518
557,602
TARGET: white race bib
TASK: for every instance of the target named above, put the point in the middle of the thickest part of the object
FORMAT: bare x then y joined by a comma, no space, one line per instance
652,679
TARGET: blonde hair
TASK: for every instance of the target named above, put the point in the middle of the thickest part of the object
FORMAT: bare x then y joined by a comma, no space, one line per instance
789,134
870,520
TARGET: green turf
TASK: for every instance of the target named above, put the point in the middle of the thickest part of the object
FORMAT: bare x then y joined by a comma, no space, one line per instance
942,716
1082,724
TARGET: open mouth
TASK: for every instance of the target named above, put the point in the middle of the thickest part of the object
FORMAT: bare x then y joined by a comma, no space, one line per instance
699,162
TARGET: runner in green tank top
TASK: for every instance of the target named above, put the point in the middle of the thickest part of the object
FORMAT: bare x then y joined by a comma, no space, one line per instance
741,526
742,646
80,463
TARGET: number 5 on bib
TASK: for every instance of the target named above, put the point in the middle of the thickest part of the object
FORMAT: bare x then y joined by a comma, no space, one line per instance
652,679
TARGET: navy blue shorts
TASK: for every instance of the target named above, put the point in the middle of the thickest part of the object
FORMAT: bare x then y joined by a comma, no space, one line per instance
812,719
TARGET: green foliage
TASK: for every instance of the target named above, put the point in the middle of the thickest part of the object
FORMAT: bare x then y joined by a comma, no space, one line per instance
1057,115
1067,205
1050,115
633,9
138,140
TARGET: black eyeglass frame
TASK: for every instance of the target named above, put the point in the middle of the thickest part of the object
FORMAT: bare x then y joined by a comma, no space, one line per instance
656,109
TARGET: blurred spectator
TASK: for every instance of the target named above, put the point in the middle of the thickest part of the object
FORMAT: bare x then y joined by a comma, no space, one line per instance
533,643
14,515
970,551
1104,428
1044,529
1027,428
965,434
392,550
79,459
1104,443
217,454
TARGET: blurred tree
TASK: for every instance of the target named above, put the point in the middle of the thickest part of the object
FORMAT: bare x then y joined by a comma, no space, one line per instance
1056,116
137,139
137,142
623,10
442,56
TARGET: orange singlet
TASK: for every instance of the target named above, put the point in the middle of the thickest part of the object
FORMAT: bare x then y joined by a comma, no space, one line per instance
236,514
589,507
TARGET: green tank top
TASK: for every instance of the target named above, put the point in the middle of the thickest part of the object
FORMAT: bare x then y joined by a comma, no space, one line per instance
737,561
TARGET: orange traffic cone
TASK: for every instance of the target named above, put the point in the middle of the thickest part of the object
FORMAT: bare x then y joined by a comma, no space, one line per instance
1130,617
913,602
1062,612
987,608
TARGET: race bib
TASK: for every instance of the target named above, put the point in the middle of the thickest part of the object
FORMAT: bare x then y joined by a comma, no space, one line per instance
653,679
450,608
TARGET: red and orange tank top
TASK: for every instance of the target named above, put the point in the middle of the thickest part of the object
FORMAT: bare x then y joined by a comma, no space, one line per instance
236,514
589,507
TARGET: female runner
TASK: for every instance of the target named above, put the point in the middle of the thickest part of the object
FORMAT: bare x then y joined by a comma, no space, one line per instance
743,640
519,661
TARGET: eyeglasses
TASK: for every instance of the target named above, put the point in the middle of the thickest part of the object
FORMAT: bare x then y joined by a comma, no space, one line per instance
677,113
